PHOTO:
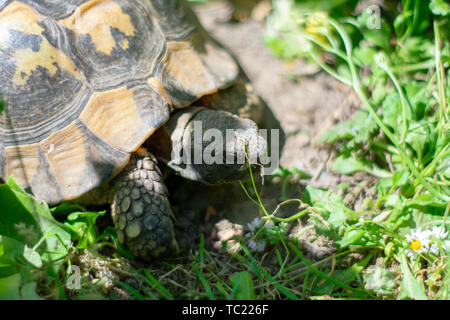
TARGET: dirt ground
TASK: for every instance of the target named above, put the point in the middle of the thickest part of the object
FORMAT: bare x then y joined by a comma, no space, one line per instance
306,107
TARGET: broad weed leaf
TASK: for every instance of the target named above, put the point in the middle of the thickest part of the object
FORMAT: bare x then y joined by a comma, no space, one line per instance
336,211
410,287
27,220
351,237
242,284
348,165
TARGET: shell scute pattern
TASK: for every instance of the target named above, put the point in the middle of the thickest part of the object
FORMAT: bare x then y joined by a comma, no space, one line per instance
88,81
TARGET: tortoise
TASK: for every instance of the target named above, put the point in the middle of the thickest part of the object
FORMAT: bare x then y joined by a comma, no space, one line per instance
95,91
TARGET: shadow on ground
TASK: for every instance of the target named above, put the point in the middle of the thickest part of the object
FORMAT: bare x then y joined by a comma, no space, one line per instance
306,108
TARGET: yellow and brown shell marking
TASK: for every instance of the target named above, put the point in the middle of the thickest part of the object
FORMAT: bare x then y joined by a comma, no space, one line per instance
87,82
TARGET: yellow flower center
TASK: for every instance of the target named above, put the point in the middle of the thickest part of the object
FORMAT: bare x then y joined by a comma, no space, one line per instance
416,245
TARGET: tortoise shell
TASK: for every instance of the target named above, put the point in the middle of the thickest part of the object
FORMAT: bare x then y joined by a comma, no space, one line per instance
86,82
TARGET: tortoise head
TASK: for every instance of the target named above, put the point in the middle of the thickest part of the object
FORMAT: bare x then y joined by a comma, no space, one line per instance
213,146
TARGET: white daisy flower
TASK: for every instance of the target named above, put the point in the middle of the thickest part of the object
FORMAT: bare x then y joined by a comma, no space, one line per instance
426,241
439,234
418,242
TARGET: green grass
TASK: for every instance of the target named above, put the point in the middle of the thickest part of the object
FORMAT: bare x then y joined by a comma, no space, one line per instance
399,135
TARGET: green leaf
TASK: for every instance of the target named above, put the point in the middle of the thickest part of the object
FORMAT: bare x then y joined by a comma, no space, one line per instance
341,131
420,137
410,287
7,267
28,291
348,165
9,287
351,237
425,200
242,284
82,227
414,18
343,278
400,177
445,290
19,215
111,233
344,72
28,221
12,288
66,208
439,7
338,213
287,46
360,128
365,54
392,110
378,36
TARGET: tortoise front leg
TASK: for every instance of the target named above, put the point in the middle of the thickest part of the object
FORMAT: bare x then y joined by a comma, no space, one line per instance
141,210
